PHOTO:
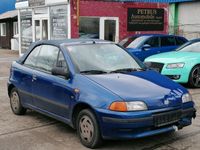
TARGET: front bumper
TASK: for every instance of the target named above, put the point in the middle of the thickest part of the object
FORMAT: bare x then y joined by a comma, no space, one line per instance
129,125
182,72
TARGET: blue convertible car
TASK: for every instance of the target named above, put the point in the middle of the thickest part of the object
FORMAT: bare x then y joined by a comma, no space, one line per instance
99,89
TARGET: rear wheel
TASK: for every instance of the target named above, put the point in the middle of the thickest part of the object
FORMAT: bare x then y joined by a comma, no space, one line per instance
15,103
88,129
194,79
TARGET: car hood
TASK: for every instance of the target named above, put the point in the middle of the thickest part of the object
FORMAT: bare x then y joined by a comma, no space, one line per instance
172,57
147,86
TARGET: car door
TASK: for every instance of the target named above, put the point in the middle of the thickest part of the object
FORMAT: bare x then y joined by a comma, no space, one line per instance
153,43
52,94
26,76
168,43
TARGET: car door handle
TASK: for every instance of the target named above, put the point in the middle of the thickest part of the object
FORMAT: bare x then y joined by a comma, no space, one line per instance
34,78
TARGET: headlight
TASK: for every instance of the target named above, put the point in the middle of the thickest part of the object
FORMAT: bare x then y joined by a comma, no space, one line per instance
186,98
175,65
135,106
128,106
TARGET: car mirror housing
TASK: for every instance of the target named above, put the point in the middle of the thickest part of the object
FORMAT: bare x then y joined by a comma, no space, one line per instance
60,71
146,47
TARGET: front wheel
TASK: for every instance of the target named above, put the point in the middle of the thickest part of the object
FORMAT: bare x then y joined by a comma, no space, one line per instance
15,103
88,129
194,79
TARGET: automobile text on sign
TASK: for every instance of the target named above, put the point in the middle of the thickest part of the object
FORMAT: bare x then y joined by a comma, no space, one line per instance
33,3
145,19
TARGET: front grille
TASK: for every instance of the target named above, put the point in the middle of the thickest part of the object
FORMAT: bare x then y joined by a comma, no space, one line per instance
167,118
155,66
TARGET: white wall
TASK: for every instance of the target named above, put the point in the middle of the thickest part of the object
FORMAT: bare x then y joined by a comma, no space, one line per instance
189,19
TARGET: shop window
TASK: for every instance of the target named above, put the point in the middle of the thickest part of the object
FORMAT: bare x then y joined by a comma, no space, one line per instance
89,27
59,22
26,29
3,29
15,28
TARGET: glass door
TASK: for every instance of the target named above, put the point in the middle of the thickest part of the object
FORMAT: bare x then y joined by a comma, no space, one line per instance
37,30
40,29
109,29
44,29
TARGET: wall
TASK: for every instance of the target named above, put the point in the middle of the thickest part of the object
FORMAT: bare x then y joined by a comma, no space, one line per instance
173,18
5,40
189,19
6,5
112,9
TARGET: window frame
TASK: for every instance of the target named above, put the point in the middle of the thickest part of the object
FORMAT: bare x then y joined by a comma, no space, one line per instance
60,52
32,67
15,28
42,70
2,32
67,65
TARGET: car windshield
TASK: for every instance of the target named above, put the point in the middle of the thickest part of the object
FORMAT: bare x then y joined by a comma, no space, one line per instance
133,42
101,58
192,47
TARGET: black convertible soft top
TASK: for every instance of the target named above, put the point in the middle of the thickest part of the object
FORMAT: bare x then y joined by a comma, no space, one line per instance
58,43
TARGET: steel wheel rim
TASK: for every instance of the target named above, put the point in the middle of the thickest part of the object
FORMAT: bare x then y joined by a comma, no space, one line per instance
14,101
196,77
86,129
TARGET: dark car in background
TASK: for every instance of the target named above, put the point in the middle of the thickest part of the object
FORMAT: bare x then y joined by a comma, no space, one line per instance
145,45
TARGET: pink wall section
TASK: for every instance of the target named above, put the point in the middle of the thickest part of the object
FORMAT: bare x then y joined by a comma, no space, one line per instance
112,9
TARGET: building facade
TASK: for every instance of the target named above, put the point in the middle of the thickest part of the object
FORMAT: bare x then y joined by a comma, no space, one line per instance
185,19
8,29
108,20
8,23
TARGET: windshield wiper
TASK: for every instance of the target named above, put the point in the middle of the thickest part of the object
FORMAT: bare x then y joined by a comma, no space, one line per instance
127,70
93,72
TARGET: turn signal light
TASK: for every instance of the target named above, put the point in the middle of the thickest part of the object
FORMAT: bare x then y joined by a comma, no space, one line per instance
118,106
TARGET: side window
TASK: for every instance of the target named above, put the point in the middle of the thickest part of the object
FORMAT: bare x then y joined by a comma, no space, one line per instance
32,57
153,42
128,41
61,61
168,41
180,41
47,58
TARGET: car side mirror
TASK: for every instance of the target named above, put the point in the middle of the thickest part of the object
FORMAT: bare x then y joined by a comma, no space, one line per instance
146,47
60,71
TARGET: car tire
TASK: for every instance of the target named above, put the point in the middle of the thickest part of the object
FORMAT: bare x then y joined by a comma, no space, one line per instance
194,78
15,103
88,129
